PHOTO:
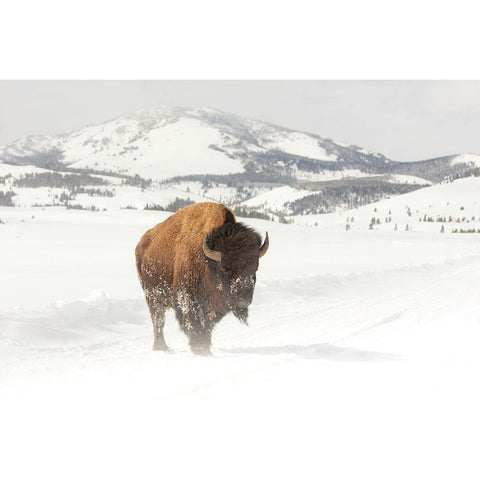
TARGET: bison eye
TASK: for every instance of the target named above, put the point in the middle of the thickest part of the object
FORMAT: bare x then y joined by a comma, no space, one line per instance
226,270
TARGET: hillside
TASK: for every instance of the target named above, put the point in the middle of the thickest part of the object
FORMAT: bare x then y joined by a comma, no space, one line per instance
156,157
438,169
453,205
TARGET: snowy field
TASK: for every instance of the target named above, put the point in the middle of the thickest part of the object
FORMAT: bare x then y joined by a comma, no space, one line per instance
361,360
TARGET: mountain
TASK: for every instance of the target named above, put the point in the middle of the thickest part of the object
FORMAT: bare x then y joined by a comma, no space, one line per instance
171,141
173,155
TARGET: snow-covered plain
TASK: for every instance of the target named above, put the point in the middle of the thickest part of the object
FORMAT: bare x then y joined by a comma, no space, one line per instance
361,359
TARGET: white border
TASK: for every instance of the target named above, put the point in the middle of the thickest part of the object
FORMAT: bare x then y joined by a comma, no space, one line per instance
215,39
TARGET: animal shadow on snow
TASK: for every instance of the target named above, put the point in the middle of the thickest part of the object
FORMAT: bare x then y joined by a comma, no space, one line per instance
321,351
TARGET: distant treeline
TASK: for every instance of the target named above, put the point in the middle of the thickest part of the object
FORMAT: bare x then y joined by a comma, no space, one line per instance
250,213
330,198
93,192
474,172
177,204
77,206
435,170
5,178
57,180
6,199
469,230
237,180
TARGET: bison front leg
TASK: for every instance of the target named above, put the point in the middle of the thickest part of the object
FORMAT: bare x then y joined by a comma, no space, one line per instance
200,342
157,312
198,330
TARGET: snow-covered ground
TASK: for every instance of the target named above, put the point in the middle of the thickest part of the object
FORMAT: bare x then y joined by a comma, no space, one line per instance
302,144
276,198
361,359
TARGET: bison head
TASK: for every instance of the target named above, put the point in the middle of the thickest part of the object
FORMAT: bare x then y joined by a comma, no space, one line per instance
235,250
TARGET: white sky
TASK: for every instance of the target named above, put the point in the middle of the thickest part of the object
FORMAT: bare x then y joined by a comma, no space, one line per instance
404,120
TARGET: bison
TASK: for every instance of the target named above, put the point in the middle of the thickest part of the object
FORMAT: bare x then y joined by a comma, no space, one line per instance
202,263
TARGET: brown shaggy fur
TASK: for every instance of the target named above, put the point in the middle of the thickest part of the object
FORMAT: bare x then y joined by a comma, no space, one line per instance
175,273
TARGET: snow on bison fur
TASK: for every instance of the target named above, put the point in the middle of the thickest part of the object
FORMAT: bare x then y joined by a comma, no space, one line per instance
202,263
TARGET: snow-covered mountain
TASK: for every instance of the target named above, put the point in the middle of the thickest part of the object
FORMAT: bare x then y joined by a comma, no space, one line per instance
166,142
171,154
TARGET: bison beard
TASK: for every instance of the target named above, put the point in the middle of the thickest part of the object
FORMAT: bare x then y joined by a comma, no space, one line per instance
202,263
241,314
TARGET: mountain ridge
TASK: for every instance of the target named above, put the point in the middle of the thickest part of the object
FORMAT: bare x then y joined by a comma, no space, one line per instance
203,152
239,137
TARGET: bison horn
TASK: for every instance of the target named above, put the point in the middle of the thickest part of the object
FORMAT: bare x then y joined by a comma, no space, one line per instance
264,247
212,254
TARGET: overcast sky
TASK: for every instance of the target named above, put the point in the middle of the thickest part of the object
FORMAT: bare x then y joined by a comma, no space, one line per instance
404,120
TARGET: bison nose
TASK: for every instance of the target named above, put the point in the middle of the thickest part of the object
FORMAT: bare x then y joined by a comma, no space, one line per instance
243,302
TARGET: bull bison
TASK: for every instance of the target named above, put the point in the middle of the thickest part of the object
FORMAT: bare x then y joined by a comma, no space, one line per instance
202,263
